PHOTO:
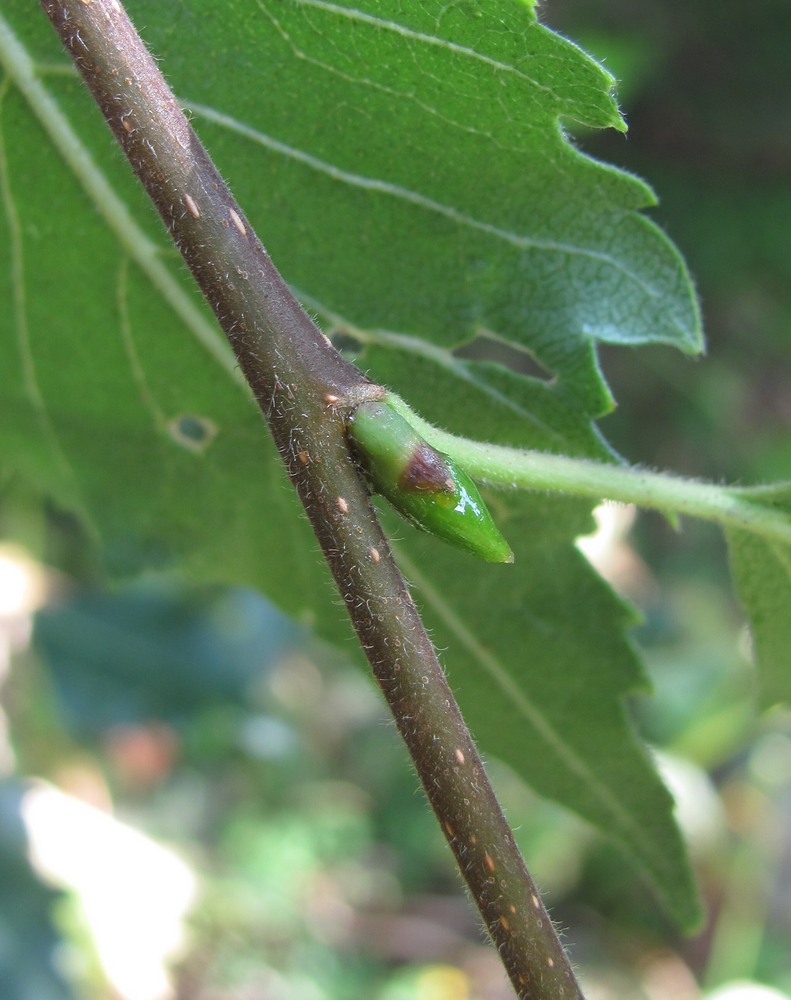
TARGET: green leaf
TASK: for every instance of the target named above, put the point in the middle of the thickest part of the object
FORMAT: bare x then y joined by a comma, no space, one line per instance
407,167
762,573
453,170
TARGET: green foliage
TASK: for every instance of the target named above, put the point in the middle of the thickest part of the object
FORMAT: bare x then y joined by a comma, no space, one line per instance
762,573
149,653
407,168
319,865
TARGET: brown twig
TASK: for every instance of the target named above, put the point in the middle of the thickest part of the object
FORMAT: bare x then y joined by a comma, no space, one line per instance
306,390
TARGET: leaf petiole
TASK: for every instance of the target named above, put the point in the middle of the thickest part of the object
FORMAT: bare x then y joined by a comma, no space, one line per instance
730,507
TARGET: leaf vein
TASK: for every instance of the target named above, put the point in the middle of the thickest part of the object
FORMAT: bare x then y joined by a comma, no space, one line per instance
127,339
381,24
22,71
519,240
19,295
365,81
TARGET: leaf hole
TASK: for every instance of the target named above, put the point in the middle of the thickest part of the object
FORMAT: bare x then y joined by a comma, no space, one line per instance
488,347
346,343
192,432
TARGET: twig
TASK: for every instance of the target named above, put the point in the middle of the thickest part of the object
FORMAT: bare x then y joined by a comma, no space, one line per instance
306,391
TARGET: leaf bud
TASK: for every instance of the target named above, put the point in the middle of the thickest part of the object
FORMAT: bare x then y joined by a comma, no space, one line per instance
426,487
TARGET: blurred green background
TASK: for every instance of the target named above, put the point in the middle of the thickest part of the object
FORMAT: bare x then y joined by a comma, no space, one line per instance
286,851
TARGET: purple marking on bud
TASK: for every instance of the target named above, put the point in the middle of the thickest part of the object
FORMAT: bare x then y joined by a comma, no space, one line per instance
427,470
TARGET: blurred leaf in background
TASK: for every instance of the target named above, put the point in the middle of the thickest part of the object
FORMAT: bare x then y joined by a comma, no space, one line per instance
30,941
156,652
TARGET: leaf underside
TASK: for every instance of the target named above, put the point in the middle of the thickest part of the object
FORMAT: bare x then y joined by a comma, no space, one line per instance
407,168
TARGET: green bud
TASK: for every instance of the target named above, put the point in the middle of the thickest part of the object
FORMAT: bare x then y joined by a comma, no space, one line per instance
425,486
